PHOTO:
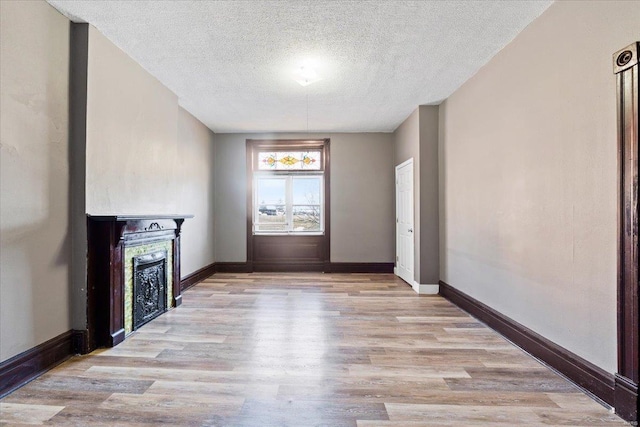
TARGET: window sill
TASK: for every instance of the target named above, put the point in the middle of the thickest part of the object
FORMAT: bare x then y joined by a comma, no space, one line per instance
288,233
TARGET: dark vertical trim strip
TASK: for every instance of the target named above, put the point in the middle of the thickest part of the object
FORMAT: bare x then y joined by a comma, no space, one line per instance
26,366
625,67
249,165
585,374
176,280
327,204
78,66
116,286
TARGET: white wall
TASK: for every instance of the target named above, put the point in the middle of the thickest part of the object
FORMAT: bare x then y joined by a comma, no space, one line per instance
529,178
362,183
34,176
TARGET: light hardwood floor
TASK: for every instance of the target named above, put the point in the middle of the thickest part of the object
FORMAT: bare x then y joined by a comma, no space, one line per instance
306,350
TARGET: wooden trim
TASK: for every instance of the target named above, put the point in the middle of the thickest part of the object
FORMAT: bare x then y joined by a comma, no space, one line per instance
626,69
360,267
108,237
251,146
326,158
331,267
233,267
197,276
626,398
176,280
588,376
80,342
249,175
288,267
28,365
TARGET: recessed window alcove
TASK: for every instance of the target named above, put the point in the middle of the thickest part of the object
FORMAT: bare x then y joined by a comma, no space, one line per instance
133,274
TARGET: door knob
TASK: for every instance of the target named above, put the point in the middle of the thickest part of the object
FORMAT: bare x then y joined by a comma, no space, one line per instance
410,230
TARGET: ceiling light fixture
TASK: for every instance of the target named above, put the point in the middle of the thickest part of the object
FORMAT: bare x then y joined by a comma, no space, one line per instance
306,75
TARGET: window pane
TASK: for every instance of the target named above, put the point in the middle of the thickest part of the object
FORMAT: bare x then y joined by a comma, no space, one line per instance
271,191
289,160
306,190
271,218
271,200
306,218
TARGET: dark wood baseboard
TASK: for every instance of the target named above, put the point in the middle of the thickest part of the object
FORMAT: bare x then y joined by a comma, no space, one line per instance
116,338
233,267
588,376
291,267
197,276
80,342
361,267
327,267
28,365
626,398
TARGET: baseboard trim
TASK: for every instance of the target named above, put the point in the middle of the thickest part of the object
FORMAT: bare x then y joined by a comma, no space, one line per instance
626,398
80,342
117,337
425,289
28,365
233,267
263,267
197,276
361,267
583,373
327,267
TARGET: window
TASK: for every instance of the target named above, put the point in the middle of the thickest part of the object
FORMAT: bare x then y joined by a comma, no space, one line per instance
288,204
287,160
288,192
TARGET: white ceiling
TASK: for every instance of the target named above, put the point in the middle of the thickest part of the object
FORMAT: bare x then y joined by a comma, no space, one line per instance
231,63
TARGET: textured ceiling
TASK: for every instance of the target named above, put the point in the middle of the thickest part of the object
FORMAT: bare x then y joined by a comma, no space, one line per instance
232,63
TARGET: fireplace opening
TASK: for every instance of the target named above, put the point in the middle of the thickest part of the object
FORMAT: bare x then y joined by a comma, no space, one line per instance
149,287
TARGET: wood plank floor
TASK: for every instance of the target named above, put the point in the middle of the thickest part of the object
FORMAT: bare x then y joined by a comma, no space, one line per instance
306,350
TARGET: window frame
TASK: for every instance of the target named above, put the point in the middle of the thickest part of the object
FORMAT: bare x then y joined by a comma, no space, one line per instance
254,145
289,203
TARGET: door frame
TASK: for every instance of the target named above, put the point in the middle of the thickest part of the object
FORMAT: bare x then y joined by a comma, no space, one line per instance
413,221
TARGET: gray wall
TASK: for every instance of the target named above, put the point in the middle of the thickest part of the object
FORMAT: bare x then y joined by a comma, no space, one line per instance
529,179
195,175
132,136
417,138
143,156
362,183
34,176
429,194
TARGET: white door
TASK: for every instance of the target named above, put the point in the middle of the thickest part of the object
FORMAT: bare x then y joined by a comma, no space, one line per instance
404,221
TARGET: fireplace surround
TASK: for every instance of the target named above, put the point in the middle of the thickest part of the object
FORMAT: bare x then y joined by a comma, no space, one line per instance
133,274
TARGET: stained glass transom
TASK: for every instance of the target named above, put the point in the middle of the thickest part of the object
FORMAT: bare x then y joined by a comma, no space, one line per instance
289,160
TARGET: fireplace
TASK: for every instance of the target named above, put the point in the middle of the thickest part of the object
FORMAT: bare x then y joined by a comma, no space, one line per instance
149,287
133,274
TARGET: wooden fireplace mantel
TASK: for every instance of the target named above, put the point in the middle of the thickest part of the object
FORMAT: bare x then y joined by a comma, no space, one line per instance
108,236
